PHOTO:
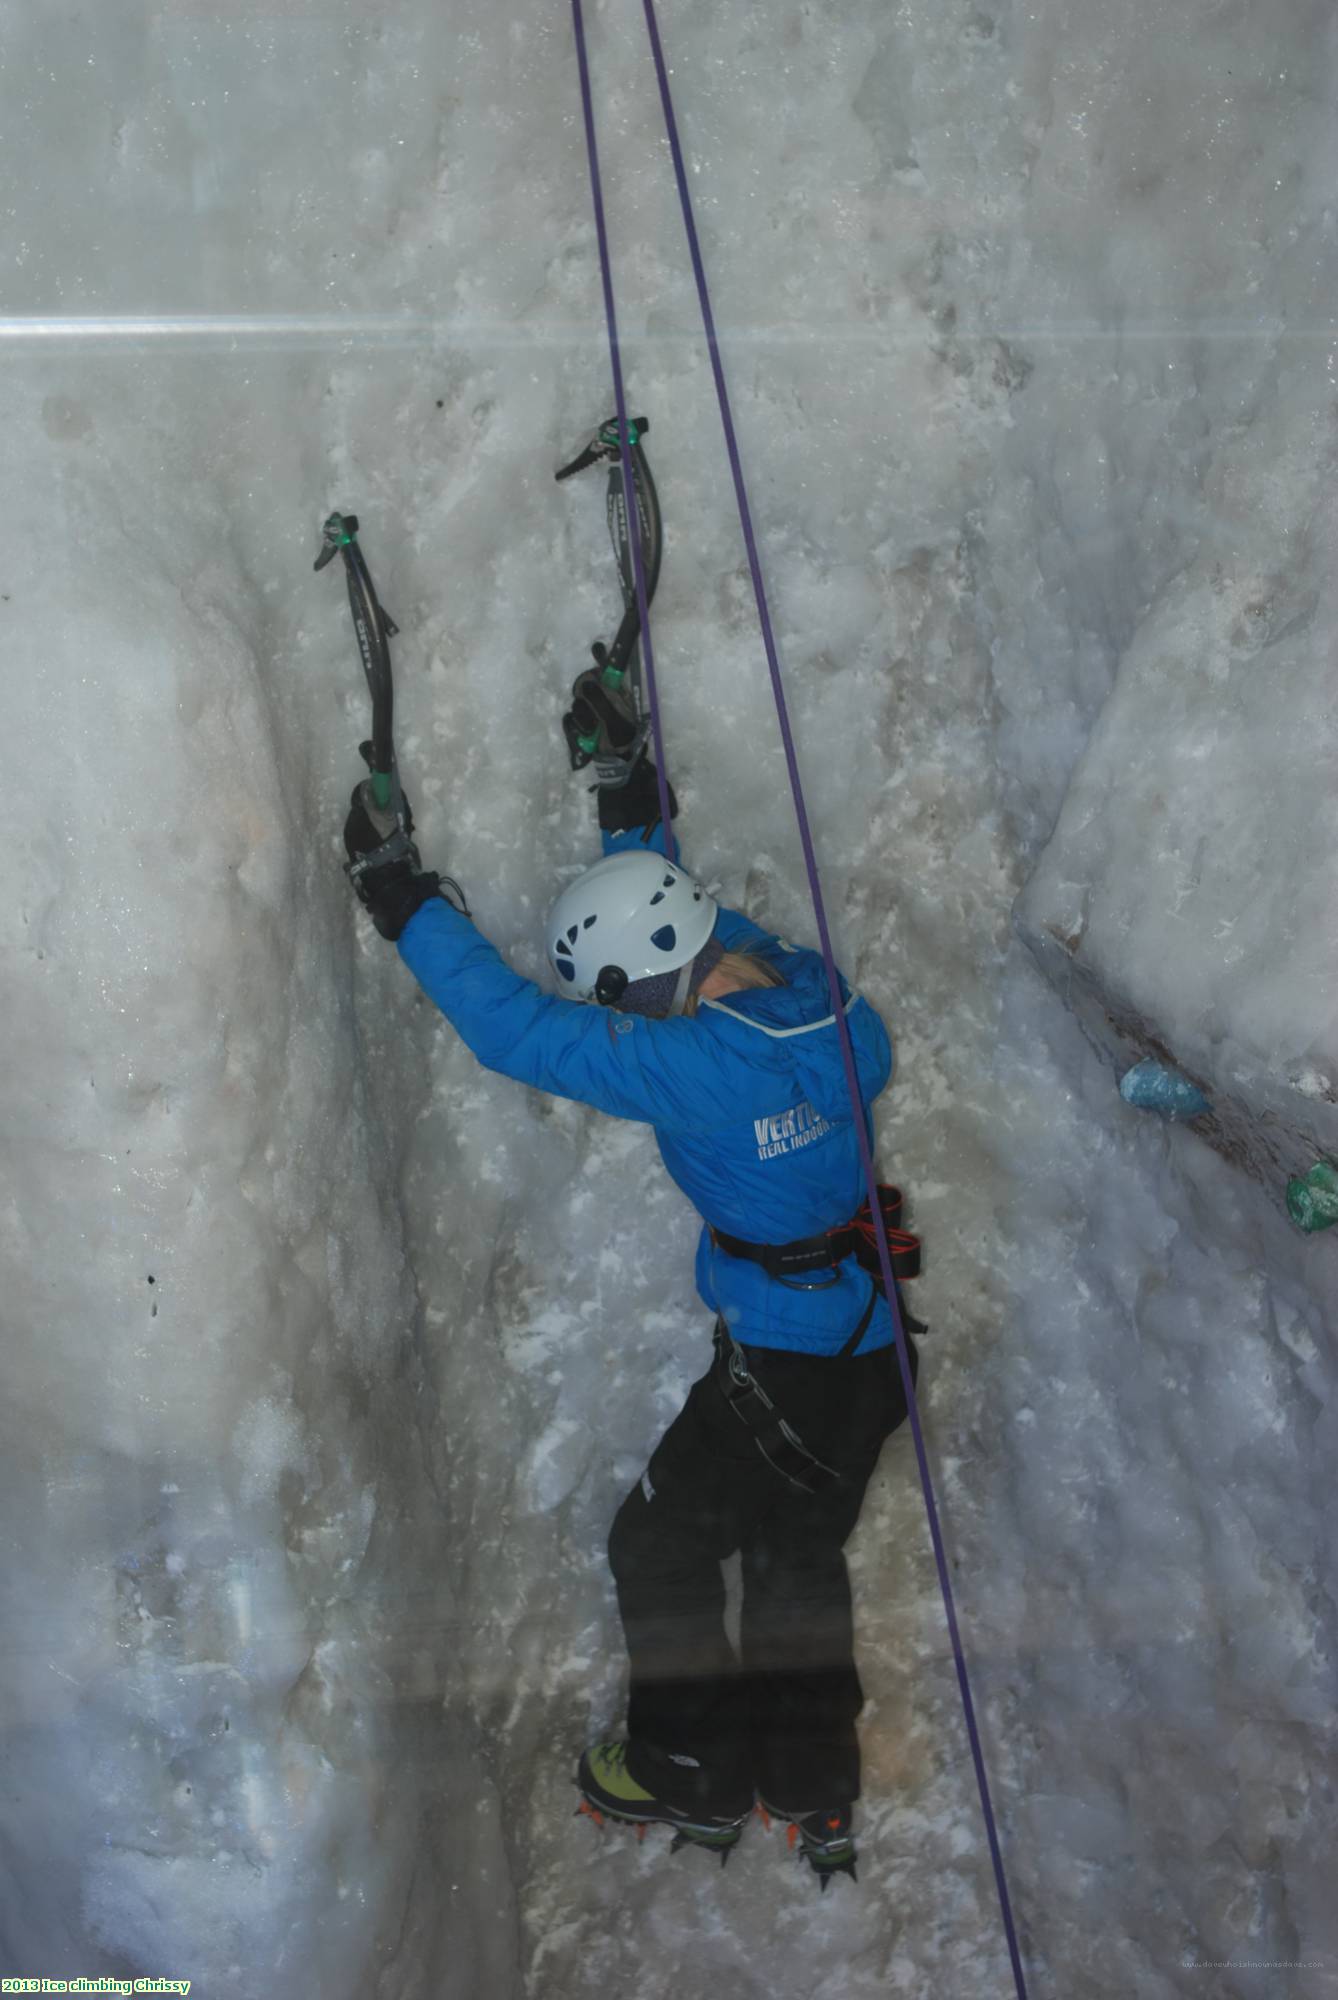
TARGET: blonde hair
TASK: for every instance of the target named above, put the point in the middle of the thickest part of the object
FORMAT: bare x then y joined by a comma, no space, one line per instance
741,968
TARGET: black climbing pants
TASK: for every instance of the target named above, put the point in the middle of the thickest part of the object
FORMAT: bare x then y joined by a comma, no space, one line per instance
707,1729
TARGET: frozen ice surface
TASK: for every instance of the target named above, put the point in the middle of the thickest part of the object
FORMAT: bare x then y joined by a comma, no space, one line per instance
1187,902
1028,320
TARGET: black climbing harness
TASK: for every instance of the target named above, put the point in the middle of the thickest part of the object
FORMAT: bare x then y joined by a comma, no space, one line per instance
856,1238
777,1441
781,1446
788,1263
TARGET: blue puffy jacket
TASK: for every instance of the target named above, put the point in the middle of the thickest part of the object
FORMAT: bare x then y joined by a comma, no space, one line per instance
748,1100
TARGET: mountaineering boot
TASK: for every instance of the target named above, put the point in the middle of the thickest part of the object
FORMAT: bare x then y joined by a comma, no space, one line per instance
823,1838
609,1791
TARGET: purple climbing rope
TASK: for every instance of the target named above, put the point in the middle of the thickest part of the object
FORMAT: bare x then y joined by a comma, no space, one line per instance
624,446
833,980
810,860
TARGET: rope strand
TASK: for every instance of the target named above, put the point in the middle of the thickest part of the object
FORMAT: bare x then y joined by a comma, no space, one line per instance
842,1027
810,857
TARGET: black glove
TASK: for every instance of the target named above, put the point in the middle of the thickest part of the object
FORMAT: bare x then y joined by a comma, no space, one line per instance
383,863
607,717
636,803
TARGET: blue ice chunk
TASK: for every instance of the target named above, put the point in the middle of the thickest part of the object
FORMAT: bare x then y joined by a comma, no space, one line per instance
1149,1086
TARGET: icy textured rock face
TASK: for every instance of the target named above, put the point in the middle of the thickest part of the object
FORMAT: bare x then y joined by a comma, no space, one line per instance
216,1721
305,1597
1187,902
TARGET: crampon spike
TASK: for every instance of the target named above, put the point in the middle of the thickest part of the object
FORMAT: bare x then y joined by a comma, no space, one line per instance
641,1832
763,1815
792,1835
825,1875
586,1811
686,1840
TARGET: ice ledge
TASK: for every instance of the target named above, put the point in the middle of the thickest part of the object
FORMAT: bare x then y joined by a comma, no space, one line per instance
1186,903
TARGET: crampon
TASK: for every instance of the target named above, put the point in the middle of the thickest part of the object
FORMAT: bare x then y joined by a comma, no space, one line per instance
609,1792
824,1839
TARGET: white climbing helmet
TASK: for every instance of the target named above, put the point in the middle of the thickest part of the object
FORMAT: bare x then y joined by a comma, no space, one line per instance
632,916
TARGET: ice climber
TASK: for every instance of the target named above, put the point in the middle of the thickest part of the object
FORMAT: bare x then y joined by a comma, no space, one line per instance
720,1036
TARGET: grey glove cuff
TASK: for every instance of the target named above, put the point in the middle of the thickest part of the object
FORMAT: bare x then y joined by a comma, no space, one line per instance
613,771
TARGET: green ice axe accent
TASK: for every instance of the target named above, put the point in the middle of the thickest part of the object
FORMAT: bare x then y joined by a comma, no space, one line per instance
612,676
337,532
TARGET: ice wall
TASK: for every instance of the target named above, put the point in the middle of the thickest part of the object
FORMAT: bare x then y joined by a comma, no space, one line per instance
216,1721
1160,543
229,1711
1185,903
305,1600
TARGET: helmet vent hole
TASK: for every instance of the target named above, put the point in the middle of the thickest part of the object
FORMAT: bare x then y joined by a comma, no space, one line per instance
668,881
567,971
658,897
664,939
589,920
563,950
571,934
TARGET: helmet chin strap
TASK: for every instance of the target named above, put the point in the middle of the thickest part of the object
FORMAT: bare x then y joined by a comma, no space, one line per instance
682,987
